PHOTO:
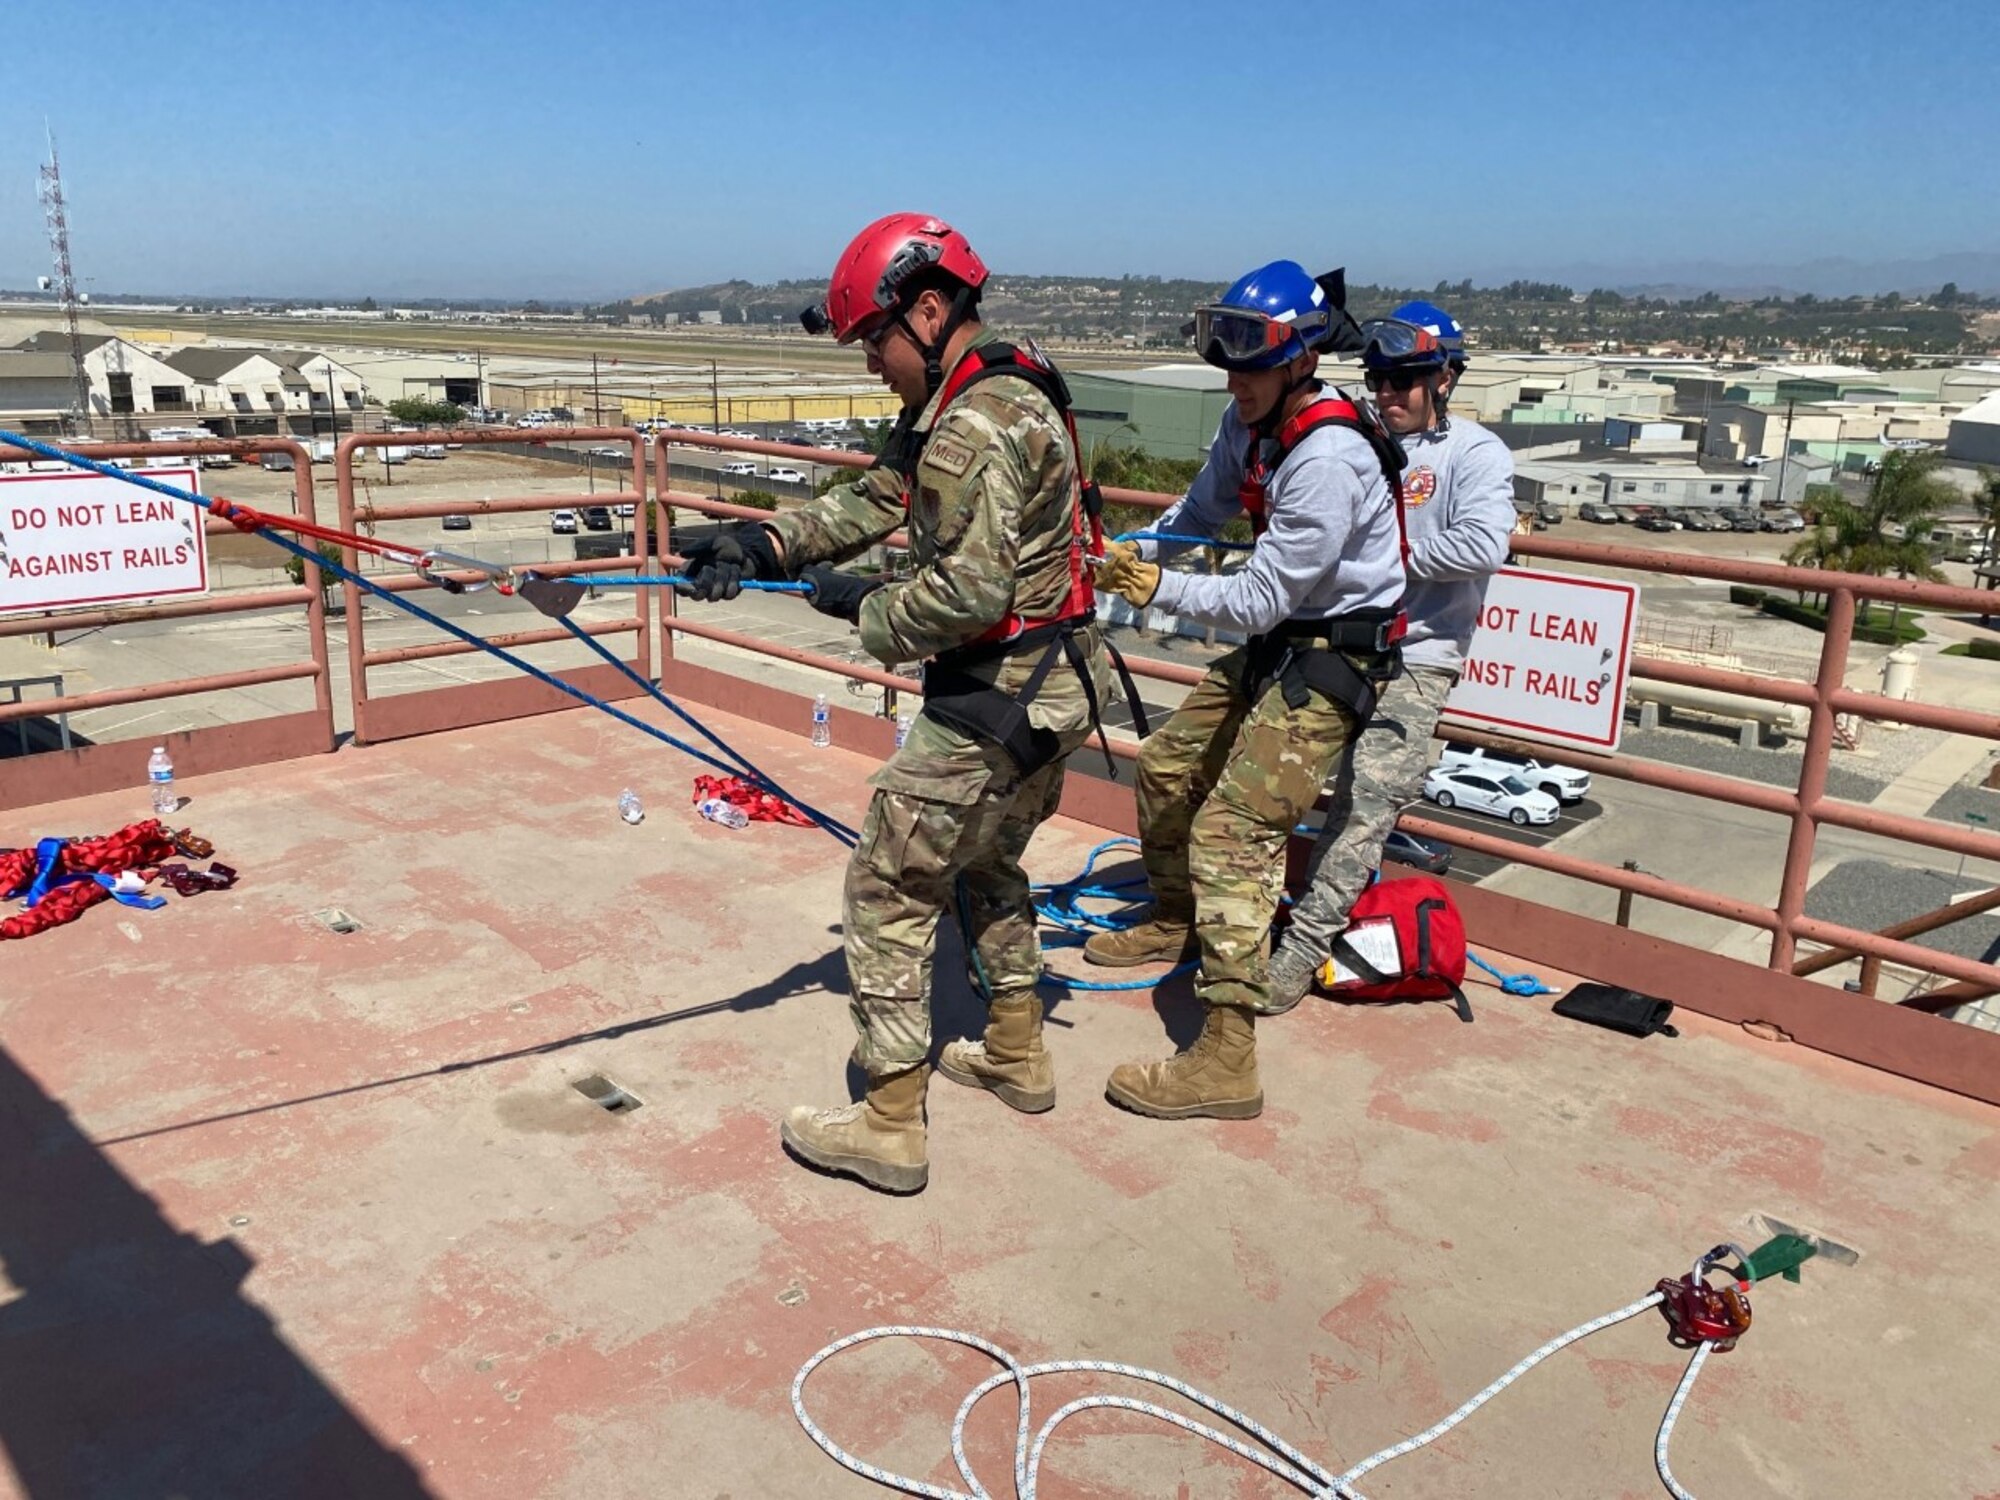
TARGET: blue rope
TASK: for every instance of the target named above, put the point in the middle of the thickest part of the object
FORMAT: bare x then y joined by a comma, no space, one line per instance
340,570
1513,984
671,579
1174,539
1057,904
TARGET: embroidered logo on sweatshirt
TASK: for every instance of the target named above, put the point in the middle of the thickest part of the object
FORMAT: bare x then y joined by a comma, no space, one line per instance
1419,485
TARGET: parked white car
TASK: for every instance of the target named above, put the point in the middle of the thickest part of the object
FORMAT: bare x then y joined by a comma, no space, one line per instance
1506,797
784,474
741,466
562,522
1564,783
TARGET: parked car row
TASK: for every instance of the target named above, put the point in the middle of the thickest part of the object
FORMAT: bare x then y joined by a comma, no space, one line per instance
743,468
1692,518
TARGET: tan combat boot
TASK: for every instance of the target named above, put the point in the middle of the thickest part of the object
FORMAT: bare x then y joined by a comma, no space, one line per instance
1163,938
880,1141
1011,1060
1216,1077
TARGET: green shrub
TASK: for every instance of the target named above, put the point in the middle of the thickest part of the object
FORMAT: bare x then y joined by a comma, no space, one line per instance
1984,650
1875,632
1738,594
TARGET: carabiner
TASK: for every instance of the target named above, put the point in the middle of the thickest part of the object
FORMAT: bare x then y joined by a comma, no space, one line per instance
492,575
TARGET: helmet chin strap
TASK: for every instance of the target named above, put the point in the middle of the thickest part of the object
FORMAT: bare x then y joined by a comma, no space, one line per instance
933,352
1267,425
1440,417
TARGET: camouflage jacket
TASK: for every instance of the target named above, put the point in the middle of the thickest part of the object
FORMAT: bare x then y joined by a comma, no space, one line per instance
990,521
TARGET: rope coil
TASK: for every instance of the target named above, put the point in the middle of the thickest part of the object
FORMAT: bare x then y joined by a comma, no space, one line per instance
1276,1455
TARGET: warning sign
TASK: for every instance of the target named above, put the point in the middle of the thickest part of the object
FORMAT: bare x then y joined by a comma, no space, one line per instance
1550,659
69,540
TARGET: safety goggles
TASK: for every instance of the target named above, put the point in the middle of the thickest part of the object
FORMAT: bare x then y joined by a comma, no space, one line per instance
1237,338
1395,341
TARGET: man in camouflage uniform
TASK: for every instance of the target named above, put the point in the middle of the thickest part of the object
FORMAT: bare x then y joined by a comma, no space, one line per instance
1221,786
1459,501
996,538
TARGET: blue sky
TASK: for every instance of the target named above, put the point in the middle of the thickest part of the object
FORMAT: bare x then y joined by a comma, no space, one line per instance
585,149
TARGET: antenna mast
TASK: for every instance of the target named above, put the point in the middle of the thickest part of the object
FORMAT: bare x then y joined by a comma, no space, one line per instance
64,285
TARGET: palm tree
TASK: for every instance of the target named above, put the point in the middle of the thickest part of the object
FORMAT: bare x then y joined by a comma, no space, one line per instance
1827,545
1987,503
1886,532
1907,494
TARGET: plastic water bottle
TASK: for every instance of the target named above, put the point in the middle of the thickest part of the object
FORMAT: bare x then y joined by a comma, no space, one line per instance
822,723
726,813
904,719
160,772
629,806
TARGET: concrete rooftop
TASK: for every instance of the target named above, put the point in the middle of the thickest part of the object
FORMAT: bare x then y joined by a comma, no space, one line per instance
286,1213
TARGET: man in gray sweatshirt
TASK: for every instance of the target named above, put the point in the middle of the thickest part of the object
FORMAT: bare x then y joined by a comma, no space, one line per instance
1458,498
1222,784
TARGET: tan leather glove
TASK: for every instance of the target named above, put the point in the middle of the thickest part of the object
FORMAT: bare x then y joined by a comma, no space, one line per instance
1124,572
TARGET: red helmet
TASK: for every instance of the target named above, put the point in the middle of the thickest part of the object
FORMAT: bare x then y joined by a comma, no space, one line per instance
873,271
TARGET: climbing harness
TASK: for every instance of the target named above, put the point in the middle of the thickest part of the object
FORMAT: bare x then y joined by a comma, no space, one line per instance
1781,1256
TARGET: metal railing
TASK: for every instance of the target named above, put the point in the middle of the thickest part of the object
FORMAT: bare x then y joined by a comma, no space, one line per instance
76,770
1805,806
398,715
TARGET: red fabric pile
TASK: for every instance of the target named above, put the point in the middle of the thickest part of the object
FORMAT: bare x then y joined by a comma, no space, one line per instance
137,847
759,805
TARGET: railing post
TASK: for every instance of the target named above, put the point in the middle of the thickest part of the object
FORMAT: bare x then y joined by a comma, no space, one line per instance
316,633
1625,897
357,664
1812,775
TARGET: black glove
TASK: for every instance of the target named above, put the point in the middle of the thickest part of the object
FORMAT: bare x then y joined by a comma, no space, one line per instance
716,568
836,593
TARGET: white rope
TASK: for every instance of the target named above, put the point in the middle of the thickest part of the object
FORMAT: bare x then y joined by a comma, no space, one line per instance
1431,1434
1277,1456
1666,1436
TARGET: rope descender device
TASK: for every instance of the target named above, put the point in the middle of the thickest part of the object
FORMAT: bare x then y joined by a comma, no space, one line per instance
1700,1313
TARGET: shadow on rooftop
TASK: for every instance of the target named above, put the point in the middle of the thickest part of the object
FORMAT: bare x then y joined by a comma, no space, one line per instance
828,972
131,1363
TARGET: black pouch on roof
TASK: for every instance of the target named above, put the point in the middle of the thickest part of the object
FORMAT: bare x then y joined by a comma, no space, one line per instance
1629,1011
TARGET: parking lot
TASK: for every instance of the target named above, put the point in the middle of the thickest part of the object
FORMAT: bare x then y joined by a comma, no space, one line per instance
1469,865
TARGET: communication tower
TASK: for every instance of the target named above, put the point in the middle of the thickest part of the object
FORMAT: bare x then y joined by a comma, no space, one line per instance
63,284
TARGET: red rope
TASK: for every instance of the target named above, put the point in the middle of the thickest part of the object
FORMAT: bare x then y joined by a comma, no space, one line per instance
248,519
761,806
137,846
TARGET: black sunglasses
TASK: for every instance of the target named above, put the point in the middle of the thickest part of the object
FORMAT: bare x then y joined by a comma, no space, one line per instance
1396,380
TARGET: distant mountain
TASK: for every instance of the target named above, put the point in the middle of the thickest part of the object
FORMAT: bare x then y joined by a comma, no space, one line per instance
1834,276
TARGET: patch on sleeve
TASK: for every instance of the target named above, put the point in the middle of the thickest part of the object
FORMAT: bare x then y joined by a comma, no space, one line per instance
949,455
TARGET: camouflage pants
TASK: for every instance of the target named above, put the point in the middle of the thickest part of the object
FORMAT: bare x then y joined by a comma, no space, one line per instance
1383,775
946,806
1220,787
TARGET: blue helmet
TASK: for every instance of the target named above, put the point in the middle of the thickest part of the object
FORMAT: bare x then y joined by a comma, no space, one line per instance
1274,314
1399,340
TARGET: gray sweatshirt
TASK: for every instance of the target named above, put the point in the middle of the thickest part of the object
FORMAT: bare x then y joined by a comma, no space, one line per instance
1330,547
1458,503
